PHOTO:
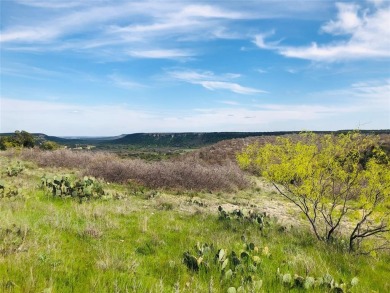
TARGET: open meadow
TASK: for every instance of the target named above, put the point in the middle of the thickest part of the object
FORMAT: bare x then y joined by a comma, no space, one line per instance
186,225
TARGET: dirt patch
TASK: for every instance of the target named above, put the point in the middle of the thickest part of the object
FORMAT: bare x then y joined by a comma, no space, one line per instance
264,199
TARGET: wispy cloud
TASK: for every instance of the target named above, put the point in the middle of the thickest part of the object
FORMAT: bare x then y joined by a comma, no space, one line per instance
141,24
232,103
365,96
209,11
28,71
125,83
362,102
53,4
367,35
181,22
260,70
373,90
67,119
261,43
162,54
70,119
291,70
67,24
348,20
376,2
210,81
231,86
145,25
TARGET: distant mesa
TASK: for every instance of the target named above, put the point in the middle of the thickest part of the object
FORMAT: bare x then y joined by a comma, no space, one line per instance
170,139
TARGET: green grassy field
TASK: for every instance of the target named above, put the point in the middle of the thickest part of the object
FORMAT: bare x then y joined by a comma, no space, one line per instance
136,244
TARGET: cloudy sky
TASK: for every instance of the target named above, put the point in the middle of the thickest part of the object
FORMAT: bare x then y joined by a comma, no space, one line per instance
103,67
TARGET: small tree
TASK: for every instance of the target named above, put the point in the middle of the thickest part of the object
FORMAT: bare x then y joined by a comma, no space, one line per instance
24,139
339,182
20,139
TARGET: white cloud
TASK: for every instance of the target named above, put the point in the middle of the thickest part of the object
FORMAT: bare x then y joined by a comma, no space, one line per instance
143,25
72,119
232,75
367,36
376,2
122,82
208,11
232,103
191,75
259,70
162,54
371,96
347,22
331,53
69,23
151,20
291,70
374,93
180,22
373,87
264,118
345,108
167,27
53,4
260,40
27,71
231,86
211,81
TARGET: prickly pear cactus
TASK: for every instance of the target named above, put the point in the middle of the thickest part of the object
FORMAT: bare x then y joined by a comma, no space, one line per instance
66,186
325,282
14,169
238,269
260,219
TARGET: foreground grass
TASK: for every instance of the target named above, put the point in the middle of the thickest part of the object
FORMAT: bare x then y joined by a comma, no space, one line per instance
55,245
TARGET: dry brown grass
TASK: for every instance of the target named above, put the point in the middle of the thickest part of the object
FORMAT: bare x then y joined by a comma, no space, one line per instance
188,174
225,152
61,158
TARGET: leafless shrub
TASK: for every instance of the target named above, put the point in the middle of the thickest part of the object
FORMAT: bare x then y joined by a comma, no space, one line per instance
190,173
174,175
59,158
225,151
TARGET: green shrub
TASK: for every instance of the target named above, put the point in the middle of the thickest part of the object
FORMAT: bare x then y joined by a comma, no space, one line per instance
49,145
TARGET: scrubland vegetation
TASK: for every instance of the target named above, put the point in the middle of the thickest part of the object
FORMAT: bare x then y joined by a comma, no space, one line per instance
73,221
187,174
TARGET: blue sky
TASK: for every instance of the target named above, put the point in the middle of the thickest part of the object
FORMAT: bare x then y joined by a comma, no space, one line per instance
104,67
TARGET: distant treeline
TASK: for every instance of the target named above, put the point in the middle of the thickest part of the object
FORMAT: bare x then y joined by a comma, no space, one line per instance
24,139
197,139
180,140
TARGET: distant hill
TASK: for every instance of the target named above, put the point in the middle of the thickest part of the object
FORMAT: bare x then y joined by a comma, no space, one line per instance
225,151
199,139
180,140
187,139
93,138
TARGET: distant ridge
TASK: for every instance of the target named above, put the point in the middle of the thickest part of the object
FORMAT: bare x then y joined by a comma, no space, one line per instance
172,139
100,138
185,139
198,139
